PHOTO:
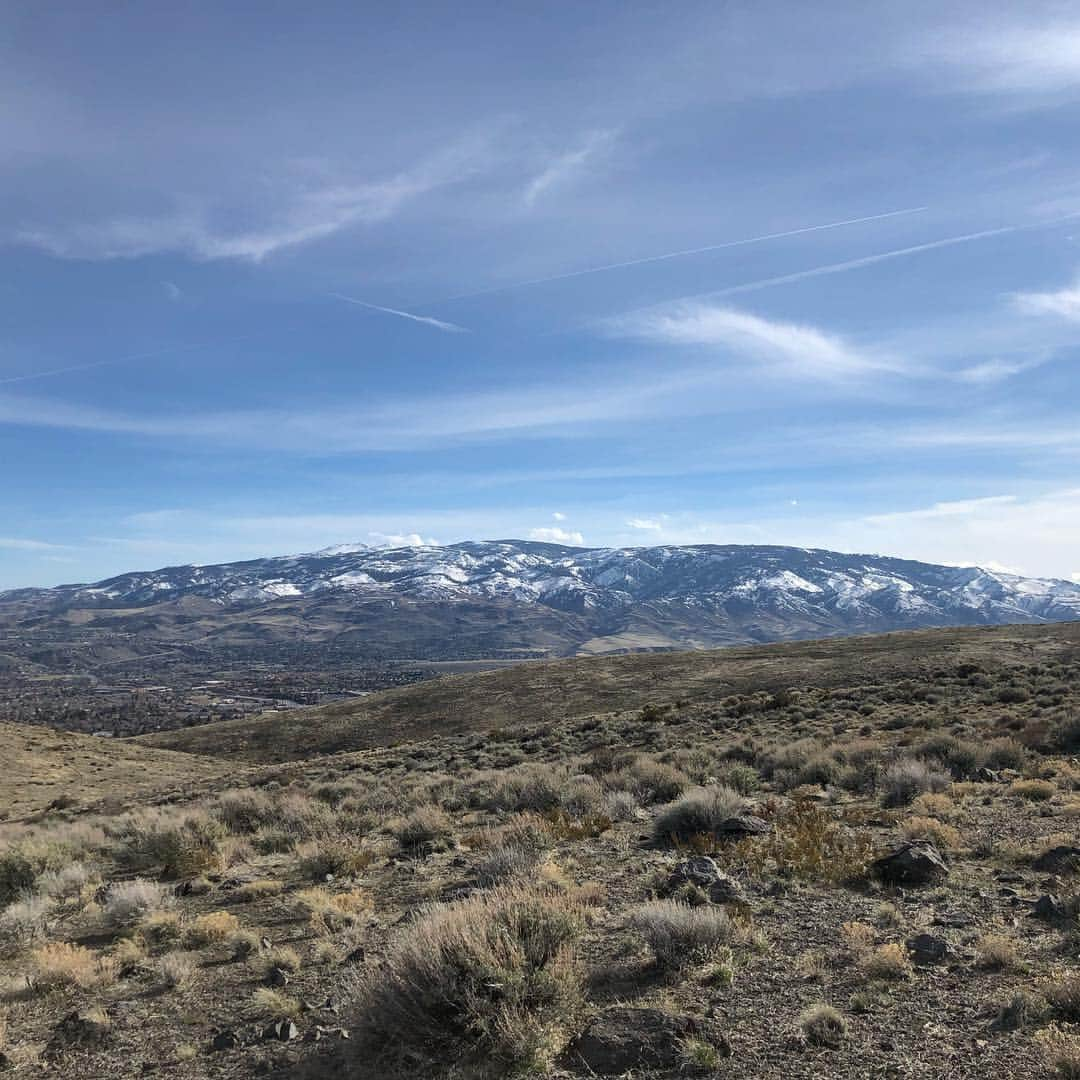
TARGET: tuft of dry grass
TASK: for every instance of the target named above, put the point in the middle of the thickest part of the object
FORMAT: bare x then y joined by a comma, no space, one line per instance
60,964
944,837
272,1004
822,1025
283,957
332,912
1033,790
996,952
889,963
251,891
211,928
128,902
175,971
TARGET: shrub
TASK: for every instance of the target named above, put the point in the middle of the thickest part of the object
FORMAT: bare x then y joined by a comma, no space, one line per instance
507,861
822,1025
323,859
1004,754
211,928
127,902
1033,790
486,986
60,964
621,805
649,781
24,921
536,787
1065,735
427,827
739,777
22,862
699,813
808,843
678,934
1063,994
243,943
182,846
907,778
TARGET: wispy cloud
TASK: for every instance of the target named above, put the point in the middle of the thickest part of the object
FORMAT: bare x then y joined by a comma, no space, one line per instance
291,213
645,524
14,543
439,324
1011,56
998,370
564,167
800,350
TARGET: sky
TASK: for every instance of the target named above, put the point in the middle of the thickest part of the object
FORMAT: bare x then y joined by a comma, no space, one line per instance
275,278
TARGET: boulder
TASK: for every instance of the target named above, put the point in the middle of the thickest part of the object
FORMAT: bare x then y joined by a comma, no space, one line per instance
916,862
1063,859
707,876
89,1027
620,1039
983,775
225,1040
735,828
1049,908
925,949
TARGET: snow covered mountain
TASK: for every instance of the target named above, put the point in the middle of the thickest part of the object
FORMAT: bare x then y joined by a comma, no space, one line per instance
704,594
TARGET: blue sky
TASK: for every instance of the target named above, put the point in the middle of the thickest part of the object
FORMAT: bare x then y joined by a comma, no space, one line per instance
615,273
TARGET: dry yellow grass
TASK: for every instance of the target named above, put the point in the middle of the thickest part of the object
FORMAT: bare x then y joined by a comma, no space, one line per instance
60,963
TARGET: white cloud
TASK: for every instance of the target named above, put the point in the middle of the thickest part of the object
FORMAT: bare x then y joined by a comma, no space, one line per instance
645,524
399,540
1075,577
564,167
552,535
1064,303
558,516
800,350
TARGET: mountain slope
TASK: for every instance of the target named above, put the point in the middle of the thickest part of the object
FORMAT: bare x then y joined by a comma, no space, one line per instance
551,692
487,598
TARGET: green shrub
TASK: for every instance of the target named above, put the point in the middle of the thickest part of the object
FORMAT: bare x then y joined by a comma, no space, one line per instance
486,987
699,813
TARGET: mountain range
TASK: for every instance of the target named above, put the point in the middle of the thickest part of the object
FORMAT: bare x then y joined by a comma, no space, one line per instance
497,597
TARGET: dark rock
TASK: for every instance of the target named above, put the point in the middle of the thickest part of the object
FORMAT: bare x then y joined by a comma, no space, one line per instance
1049,908
225,1040
356,956
1063,859
955,920
1009,877
916,862
277,977
927,949
265,942
620,1039
702,872
87,1028
742,825
281,1030
983,775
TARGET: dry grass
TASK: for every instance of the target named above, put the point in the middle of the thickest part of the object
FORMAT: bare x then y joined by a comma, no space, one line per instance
61,964
822,1025
251,891
945,837
1060,1048
1033,790
889,963
996,952
272,1004
176,971
211,928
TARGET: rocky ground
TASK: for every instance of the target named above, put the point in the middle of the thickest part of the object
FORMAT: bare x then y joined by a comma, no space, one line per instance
688,887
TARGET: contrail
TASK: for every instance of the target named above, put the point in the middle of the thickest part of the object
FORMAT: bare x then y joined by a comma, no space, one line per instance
120,360
439,324
683,253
